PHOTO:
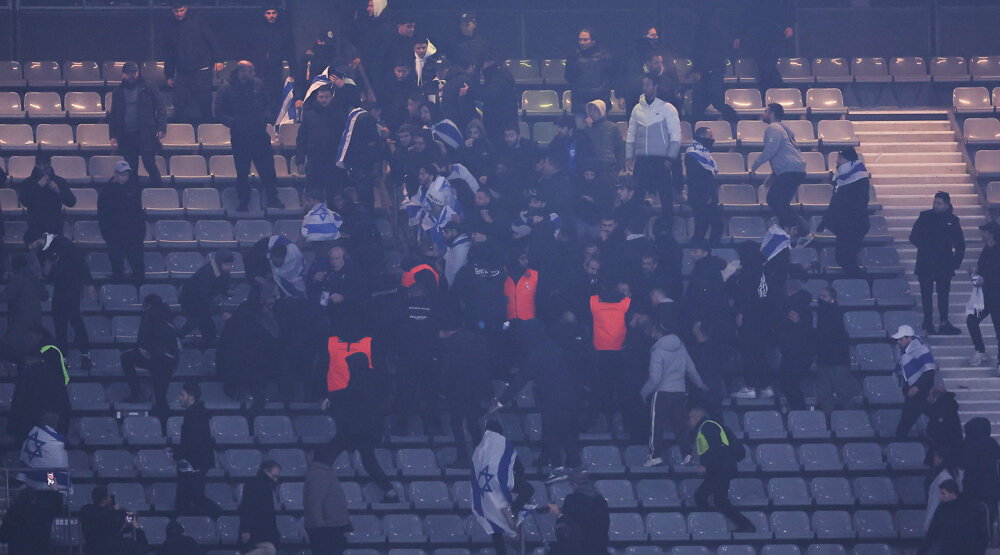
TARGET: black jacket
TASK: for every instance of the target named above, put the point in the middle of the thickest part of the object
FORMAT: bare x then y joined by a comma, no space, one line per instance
833,343
500,99
180,545
957,528
270,45
319,134
256,510
245,108
191,45
69,273
119,213
940,243
102,529
944,429
204,285
152,116
718,460
358,410
158,336
479,288
248,349
583,527
27,526
461,364
847,214
39,388
703,189
591,75
980,455
706,298
196,445
989,268
45,206
797,342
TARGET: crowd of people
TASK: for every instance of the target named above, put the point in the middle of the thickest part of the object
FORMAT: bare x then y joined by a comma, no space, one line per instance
557,266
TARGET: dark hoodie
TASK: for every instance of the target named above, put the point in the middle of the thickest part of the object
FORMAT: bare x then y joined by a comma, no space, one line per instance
705,299
980,456
244,107
256,510
944,429
44,205
832,347
583,527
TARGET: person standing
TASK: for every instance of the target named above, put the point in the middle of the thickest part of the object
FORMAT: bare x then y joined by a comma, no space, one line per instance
915,370
652,144
847,214
318,138
43,194
198,295
797,343
718,451
583,522
122,223
137,121
766,27
258,522
23,295
604,143
470,44
67,270
703,189
980,455
958,526
607,311
462,352
271,44
194,454
590,72
191,53
326,519
788,169
27,524
157,349
669,369
987,279
940,243
709,63
40,387
243,106
835,387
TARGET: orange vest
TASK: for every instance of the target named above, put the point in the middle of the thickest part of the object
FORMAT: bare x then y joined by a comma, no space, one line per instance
521,296
338,375
609,323
409,277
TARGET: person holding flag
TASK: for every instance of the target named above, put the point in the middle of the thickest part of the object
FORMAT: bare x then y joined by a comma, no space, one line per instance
45,449
499,487
916,372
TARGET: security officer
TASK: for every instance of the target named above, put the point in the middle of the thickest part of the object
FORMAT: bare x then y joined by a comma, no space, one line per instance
716,446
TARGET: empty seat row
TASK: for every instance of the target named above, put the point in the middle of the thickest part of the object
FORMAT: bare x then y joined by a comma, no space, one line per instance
975,100
49,105
74,74
180,137
183,169
743,197
828,134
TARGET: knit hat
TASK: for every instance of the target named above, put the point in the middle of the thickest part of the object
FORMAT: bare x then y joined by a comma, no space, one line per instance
601,107
944,196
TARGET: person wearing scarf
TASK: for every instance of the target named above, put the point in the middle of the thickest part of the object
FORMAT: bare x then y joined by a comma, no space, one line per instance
703,190
847,215
916,372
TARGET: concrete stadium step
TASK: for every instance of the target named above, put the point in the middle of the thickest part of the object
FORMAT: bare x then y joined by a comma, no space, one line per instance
973,213
903,125
922,136
957,199
913,168
929,147
926,189
918,158
916,179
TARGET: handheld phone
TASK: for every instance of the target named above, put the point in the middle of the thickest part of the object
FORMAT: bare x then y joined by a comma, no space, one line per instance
51,479
129,517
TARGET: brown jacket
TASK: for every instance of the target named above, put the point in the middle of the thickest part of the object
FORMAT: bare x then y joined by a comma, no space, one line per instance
323,498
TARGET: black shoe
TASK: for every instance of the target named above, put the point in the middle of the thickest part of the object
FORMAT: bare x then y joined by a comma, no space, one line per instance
274,202
929,327
85,363
947,329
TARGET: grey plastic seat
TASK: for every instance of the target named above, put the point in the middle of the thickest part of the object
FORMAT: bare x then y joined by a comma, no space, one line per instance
74,170
162,496
815,197
114,463
750,133
826,549
445,529
732,166
831,70
102,167
618,493
417,462
44,105
602,459
910,524
851,424
708,527
870,70
746,102
982,68
832,491
289,196
764,424
971,100
875,490
982,131
99,430
125,329
222,494
832,525
905,456
120,298
739,197
788,492
179,138
863,457
987,164
626,527
215,234
909,69
44,74
200,528
214,137
273,429
723,132
202,202
241,463
820,457
314,428
249,232
161,203
525,72
166,291
874,524
230,202
875,357
10,105
789,99
893,293
161,165
84,105
745,70
852,293
230,430
11,74
429,495
776,457
93,137
175,234
287,134
143,430
401,528
747,492
790,525
658,493
691,550
949,69
815,165
837,134
823,101
17,137
84,74
747,228
290,495
807,425
539,103
864,325
223,168
553,72
183,264
543,132
86,396
55,137
189,168
129,496
886,420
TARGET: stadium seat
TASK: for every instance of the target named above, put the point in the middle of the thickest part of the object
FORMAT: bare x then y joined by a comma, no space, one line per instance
273,430
241,463
114,463
892,293
288,133
618,493
602,459
658,494
626,527
179,138
525,72
909,69
74,170
223,168
120,298
886,420
863,457
705,527
189,168
93,137
826,549
448,528
815,197
776,457
429,495
789,99
746,102
403,528
215,234
44,74
949,69
554,72
745,70
835,525
882,390
831,70
155,528
417,462
202,202
88,234
289,197
788,492
221,494
200,528
853,293
248,232
790,525
982,68
722,131
129,496
99,430
230,202
183,264
881,260
984,132
732,167
738,197
750,133
906,456
910,524
870,70
11,74
17,137
189,363
795,71
895,318
290,495
987,164
971,100
161,165
84,105
851,424
102,167
815,165
764,424
10,105
807,425
44,105
543,132
837,134
747,492
875,490
111,71
175,234
876,357
214,137
125,329
86,396
161,203
162,496
230,430
831,491
535,103
55,137
825,102
747,228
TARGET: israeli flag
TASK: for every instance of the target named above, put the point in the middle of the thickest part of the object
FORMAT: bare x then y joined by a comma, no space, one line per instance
492,481
774,241
447,132
45,449
317,82
913,362
287,111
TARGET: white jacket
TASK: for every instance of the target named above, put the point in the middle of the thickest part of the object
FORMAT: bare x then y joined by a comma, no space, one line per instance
653,130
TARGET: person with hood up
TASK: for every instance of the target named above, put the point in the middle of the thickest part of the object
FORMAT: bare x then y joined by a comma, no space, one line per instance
66,269
980,455
259,533
43,194
326,520
670,368
583,522
985,280
959,526
157,349
652,143
916,372
940,243
944,428
590,72
748,289
605,144
835,387
847,214
501,100
703,189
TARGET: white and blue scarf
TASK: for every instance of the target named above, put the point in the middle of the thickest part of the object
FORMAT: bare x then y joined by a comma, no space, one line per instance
287,112
774,241
345,139
703,156
849,173
914,361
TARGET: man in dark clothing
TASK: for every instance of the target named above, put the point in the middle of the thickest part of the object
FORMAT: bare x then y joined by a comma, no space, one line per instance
916,376
44,194
847,214
469,43
27,526
66,269
987,277
835,387
179,543
156,349
318,139
940,243
718,452
703,189
590,72
122,223
980,455
338,281
244,107
797,343
40,387
705,299
326,520
709,64
394,93
194,454
518,153
500,98
258,522
137,121
191,53
583,520
766,27
457,97
462,353
249,348
959,525
271,44
944,429
108,529
198,295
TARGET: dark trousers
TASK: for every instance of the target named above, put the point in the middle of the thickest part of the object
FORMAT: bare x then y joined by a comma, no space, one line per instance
198,315
913,407
708,216
160,368
190,498
927,285
256,149
320,175
67,313
781,190
668,409
560,438
717,487
835,388
756,371
711,90
462,419
651,174
791,385
132,146
845,251
365,448
327,540
603,385
132,251
193,97
973,320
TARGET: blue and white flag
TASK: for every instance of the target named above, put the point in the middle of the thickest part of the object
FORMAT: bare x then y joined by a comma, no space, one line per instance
849,173
289,276
914,361
345,139
287,112
321,224
492,482
447,132
703,156
458,171
317,82
44,448
774,241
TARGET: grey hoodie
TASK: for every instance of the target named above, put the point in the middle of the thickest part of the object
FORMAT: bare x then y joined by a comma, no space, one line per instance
669,364
780,151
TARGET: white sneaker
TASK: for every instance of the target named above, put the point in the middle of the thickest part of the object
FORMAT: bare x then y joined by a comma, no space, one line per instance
977,359
653,461
766,393
687,460
745,393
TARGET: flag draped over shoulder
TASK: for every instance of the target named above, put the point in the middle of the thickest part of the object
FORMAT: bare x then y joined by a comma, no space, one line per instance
45,449
774,241
914,361
287,112
345,138
492,481
317,82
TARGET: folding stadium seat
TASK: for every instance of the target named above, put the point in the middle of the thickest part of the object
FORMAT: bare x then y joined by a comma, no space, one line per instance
747,492
161,202
982,68
878,357
735,549
55,137
971,100
215,234
732,167
143,430
417,462
45,74
540,103
788,492
84,105
807,425
746,102
745,70
738,197
822,101
833,491
11,75
870,70
747,228
43,105
837,134
429,495
788,525
826,549
222,494
906,456
874,524
543,132
214,137
910,524
202,202
99,430
230,202
886,421
10,106
602,459
288,133
805,137
155,528
102,167
912,491
111,70
708,527
223,168
795,71
657,494
189,168
815,197
230,430
525,72
290,495
107,362
273,430
241,463
832,525
183,264
281,170
86,396
723,132
852,293
402,528
289,196
851,424
215,397
776,458
445,529
166,291
17,137
627,527
863,457
129,496
98,328
248,232
74,170
909,69
79,465
893,293
125,328
764,424
554,72
175,234
113,463
179,138
618,493
750,133
200,528
984,132
120,298
789,99
831,70
691,550
314,428
949,69
189,364
161,165
987,164
93,137
162,496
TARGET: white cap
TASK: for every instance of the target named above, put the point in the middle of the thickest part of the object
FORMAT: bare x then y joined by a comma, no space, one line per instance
904,331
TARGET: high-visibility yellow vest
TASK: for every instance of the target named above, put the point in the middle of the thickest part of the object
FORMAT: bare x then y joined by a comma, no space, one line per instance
62,360
701,444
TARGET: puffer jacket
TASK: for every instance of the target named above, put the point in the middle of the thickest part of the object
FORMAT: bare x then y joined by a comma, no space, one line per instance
653,130
669,365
